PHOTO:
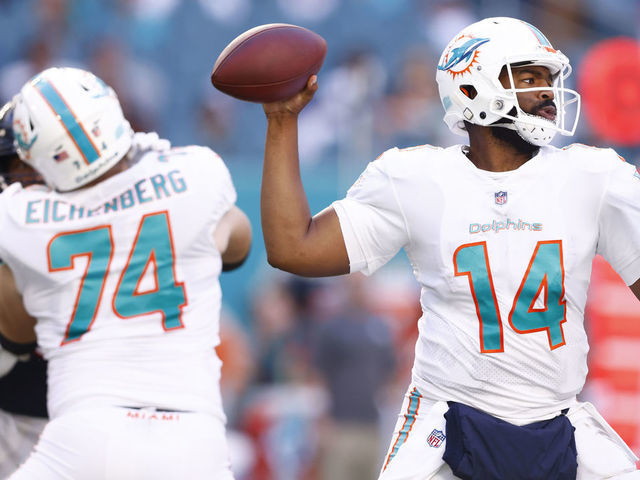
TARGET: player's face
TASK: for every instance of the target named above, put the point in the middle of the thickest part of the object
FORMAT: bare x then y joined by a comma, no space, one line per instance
539,102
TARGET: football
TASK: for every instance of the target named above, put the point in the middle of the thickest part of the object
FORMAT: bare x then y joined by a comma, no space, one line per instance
269,63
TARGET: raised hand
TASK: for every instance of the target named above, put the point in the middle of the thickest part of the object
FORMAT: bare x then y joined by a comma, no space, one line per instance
295,104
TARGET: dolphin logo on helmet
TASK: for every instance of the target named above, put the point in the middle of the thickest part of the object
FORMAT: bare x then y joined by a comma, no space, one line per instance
22,143
466,53
476,95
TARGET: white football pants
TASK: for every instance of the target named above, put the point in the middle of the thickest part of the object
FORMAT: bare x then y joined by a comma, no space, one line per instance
113,443
417,445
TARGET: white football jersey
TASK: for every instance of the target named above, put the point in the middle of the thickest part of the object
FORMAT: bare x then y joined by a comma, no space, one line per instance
503,261
123,280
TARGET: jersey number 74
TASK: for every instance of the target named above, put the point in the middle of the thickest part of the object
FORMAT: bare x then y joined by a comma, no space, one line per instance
152,246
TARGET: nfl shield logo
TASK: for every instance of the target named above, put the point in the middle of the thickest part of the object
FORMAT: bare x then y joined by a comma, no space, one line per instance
501,198
436,438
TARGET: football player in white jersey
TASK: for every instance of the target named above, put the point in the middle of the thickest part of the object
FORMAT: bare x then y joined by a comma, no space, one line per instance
23,382
117,260
501,234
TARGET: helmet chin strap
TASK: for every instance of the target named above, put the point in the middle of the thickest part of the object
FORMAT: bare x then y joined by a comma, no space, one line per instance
529,132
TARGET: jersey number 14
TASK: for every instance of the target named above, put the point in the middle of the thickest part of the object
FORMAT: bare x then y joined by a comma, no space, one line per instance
539,303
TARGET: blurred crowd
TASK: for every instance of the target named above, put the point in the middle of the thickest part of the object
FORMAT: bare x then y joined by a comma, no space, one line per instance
324,361
377,85
314,371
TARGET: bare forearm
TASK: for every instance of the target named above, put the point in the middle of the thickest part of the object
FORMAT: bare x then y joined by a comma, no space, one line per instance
15,323
233,237
295,241
236,254
284,207
635,288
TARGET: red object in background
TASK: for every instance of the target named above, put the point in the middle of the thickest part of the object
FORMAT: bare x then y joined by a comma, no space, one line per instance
608,80
612,316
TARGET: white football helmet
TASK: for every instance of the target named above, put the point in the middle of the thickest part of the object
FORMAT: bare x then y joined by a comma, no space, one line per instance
69,126
468,73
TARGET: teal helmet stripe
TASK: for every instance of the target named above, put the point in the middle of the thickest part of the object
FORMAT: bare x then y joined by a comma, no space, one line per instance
539,35
68,120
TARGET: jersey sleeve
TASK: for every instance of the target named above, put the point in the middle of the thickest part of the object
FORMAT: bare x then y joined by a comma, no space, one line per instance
214,180
5,197
619,221
373,225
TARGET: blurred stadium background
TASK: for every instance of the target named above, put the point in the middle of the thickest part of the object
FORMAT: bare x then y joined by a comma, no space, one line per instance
315,369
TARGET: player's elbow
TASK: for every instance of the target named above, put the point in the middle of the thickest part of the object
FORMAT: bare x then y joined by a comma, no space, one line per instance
279,260
304,265
286,260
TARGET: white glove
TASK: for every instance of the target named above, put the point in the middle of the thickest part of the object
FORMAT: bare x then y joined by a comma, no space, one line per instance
145,141
7,361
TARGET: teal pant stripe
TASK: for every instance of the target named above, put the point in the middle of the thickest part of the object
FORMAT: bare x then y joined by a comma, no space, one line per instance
410,419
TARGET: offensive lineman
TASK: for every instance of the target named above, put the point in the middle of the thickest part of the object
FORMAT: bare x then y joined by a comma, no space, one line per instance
501,235
23,380
117,260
